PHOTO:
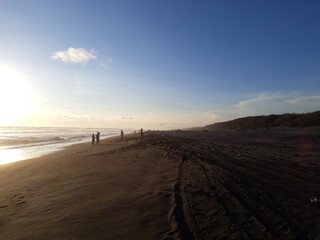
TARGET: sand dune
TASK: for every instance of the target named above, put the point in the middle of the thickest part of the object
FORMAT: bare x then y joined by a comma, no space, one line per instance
170,185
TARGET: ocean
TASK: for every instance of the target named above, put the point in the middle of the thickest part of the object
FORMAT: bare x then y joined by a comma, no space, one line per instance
22,143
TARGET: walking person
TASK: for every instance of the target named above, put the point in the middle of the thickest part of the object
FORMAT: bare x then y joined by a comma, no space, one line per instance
93,138
141,132
121,135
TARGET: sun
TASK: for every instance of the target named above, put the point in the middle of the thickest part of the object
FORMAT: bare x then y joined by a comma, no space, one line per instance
15,97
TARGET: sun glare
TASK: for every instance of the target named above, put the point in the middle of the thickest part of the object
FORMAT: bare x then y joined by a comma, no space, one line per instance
10,155
14,96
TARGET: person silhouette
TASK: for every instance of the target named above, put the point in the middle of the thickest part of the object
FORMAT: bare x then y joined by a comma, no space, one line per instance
141,132
93,138
121,135
98,137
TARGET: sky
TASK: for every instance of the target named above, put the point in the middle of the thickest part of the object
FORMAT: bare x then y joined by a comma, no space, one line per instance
165,64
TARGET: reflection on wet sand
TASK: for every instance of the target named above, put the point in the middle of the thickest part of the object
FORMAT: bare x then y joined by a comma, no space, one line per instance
10,155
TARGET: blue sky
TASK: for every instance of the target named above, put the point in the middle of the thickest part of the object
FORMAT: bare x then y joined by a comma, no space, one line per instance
157,64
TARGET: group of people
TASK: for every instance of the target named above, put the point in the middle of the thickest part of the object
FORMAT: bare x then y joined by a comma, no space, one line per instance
96,137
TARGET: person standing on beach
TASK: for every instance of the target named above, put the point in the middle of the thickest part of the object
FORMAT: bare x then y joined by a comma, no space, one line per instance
98,137
141,132
93,138
121,135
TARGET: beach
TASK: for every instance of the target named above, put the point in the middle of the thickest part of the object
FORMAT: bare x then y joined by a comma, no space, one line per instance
169,185
21,143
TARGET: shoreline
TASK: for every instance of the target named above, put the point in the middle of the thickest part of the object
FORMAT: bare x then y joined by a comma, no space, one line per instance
87,192
168,185
16,154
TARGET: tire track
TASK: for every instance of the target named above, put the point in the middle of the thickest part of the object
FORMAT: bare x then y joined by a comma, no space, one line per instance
178,219
226,187
231,205
275,221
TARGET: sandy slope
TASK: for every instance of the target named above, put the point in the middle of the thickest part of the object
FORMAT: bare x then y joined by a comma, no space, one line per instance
170,185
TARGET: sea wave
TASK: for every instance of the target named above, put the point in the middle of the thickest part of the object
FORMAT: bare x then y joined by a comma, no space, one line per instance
20,137
32,142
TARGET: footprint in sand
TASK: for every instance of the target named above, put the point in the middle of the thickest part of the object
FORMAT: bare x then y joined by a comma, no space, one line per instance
18,199
3,205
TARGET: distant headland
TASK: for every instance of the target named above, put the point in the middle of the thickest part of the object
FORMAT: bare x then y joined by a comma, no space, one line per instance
273,120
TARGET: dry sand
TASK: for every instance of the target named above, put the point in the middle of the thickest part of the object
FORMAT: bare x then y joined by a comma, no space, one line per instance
170,185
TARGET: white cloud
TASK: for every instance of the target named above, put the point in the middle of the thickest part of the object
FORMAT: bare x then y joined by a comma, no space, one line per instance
269,103
75,55
106,64
285,102
263,103
245,104
108,60
310,101
126,118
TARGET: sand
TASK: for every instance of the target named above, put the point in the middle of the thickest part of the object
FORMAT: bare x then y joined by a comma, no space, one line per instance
169,185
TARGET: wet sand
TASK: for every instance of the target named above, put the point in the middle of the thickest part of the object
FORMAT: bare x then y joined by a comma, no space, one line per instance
170,185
